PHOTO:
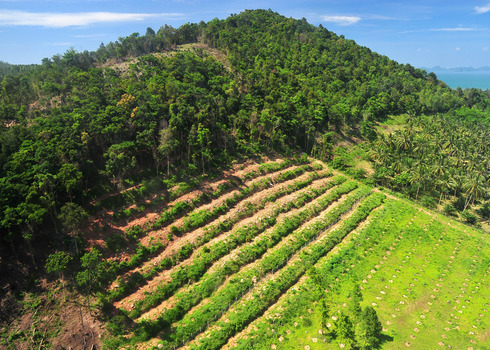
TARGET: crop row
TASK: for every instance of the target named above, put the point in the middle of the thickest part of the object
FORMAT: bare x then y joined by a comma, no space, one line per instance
210,282
183,207
198,217
154,185
208,255
135,279
180,208
245,279
245,312
302,296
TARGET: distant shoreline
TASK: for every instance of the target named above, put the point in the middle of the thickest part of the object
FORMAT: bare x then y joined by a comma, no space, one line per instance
457,69
463,77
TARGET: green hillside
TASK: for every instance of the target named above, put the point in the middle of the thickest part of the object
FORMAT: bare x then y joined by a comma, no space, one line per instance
229,183
427,279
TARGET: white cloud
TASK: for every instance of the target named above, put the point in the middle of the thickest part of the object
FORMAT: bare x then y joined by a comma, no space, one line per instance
61,20
342,20
383,18
458,49
482,9
456,29
485,49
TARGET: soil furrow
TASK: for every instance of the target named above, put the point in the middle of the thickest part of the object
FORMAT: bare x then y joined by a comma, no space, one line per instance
192,237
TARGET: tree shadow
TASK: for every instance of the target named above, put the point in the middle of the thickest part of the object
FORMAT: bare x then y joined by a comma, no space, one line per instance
383,339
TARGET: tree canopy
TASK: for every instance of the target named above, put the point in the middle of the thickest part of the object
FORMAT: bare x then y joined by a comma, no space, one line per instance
82,123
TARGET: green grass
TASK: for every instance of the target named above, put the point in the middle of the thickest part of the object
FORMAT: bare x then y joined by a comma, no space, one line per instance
427,280
275,284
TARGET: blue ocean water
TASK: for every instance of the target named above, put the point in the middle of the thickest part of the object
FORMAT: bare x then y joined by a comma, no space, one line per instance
468,79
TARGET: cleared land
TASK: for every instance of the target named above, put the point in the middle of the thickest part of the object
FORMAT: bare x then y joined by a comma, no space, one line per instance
249,267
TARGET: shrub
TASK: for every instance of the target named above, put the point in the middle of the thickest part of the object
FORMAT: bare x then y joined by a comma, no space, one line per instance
338,163
116,325
115,242
469,217
307,322
134,232
175,230
428,201
449,209
185,251
484,211
359,174
166,263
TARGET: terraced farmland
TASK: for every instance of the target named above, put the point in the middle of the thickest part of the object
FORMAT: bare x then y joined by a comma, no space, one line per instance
425,275
246,265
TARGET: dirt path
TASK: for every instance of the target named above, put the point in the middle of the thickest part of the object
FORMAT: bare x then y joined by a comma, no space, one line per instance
264,213
275,309
102,226
192,236
294,259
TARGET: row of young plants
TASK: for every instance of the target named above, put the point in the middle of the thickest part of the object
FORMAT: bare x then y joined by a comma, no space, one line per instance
149,187
118,241
262,298
245,279
209,255
132,281
209,283
185,273
198,218
284,316
183,207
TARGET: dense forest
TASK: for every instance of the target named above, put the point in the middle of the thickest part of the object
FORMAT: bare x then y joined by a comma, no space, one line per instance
83,124
172,167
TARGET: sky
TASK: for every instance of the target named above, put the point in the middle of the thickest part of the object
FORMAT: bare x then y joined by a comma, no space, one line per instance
446,33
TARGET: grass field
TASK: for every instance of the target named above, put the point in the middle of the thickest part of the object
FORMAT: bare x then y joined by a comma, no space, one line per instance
271,261
426,276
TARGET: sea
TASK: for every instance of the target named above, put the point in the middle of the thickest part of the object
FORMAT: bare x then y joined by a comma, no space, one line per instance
465,79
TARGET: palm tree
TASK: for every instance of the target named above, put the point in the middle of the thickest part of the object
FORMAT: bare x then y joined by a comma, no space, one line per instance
475,188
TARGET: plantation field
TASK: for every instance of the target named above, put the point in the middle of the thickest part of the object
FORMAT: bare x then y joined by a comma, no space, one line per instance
268,258
425,275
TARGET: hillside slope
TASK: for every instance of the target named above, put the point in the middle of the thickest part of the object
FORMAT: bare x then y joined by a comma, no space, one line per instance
78,126
269,256
133,196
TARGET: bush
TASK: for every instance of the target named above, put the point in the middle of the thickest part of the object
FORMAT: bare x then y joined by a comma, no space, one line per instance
449,209
359,174
469,217
115,242
484,211
134,232
307,322
428,201
116,325
338,163
175,230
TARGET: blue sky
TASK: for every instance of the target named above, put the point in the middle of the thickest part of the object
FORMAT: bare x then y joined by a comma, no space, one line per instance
426,33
